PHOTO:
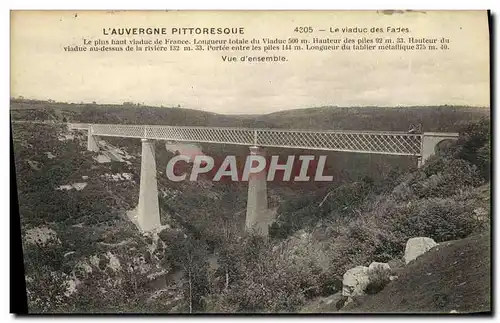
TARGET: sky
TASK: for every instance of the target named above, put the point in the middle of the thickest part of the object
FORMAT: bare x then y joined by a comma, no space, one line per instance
41,69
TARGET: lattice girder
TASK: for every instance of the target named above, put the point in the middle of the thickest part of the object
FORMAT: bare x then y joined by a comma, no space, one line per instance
391,143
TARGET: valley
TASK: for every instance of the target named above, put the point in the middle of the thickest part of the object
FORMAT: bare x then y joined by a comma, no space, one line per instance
83,253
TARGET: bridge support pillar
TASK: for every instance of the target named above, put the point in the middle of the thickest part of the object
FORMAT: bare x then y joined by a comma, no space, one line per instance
257,207
431,142
148,211
92,142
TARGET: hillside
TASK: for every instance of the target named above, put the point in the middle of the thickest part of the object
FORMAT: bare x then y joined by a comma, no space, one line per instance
125,114
455,275
432,118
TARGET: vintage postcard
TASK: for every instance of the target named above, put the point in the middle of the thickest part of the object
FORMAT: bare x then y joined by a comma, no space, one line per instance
252,161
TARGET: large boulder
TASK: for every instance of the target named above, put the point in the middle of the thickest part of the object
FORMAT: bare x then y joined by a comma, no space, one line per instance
415,247
355,281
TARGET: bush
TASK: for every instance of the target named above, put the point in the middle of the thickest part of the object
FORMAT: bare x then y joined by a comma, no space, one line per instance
264,278
378,278
451,174
305,212
474,145
438,218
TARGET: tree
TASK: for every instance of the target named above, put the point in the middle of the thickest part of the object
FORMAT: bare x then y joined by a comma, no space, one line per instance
474,143
190,255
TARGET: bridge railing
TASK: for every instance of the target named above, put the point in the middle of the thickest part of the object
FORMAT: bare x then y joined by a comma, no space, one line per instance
390,143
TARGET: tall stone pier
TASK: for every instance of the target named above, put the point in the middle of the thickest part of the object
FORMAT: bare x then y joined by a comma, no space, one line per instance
92,141
257,205
148,211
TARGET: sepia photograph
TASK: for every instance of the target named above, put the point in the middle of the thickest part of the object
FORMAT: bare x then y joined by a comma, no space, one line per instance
251,162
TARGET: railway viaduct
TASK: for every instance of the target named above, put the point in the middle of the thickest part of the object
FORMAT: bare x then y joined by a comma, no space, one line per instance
420,145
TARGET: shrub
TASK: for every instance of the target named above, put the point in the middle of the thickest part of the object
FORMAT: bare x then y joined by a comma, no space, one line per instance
45,290
444,176
484,160
474,145
378,278
267,279
305,212
439,218
402,192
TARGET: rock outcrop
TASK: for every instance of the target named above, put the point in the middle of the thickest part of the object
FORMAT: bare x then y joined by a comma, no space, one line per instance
355,281
415,247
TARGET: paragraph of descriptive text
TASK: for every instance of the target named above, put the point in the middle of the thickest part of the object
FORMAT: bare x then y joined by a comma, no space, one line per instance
241,48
